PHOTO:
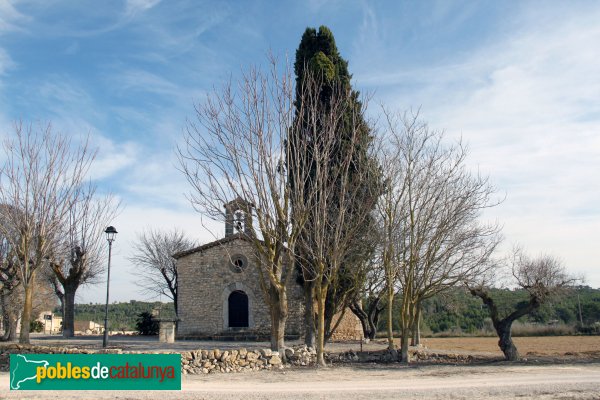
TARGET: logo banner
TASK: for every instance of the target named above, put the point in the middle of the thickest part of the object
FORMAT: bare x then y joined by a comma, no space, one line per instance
95,372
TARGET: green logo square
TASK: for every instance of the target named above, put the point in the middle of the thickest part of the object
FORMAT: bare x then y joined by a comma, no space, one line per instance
95,372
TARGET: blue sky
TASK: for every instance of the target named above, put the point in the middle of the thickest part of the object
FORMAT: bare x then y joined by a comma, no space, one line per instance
518,80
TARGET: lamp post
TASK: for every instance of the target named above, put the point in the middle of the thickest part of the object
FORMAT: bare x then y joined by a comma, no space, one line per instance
110,237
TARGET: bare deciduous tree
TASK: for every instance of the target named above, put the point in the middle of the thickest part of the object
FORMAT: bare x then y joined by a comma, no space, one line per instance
390,214
239,149
438,240
39,179
154,251
339,206
543,278
79,259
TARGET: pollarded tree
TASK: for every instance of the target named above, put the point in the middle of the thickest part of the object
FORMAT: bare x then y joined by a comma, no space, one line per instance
79,259
542,278
40,180
154,251
318,56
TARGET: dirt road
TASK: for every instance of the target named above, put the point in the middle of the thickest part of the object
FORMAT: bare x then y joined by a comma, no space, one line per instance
576,381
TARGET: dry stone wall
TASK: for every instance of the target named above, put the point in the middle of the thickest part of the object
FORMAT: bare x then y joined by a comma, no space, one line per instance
240,360
210,361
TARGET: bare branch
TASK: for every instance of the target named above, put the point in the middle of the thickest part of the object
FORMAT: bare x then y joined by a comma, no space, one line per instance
39,182
238,148
433,238
153,256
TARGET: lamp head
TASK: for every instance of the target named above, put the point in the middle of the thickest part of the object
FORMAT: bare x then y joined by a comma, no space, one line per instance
110,233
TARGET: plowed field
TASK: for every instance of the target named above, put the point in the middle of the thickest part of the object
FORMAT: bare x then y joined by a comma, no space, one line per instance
580,346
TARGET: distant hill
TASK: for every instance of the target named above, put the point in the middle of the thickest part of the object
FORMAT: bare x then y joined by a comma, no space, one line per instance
121,316
454,312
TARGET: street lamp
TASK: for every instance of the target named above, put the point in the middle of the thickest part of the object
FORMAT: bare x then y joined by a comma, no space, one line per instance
110,237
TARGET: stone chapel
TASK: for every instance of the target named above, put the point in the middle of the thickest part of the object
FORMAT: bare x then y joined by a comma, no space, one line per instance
219,286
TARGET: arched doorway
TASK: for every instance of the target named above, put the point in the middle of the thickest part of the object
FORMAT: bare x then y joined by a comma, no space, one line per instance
238,309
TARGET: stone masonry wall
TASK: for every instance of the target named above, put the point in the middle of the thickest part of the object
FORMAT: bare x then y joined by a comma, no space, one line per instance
207,278
349,328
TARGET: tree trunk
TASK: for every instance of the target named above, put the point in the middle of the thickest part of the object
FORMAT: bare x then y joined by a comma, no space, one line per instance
356,308
309,315
12,329
60,295
5,325
368,319
505,341
404,346
62,306
69,311
278,319
5,317
9,322
390,321
26,316
503,326
416,332
406,323
176,312
374,313
321,295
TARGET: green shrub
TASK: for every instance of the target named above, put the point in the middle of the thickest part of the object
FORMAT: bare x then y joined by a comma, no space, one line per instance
146,324
593,329
36,326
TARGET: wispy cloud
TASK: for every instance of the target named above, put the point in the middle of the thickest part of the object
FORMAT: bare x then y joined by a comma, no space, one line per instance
133,7
62,90
10,18
6,62
139,80
10,21
112,158
519,83
527,104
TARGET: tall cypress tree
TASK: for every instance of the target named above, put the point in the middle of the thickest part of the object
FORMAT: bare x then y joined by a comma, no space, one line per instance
317,57
318,52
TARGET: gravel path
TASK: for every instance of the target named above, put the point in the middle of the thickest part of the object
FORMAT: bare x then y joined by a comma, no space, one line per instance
577,381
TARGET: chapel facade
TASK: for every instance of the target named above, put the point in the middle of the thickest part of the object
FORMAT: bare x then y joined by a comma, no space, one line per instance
219,287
